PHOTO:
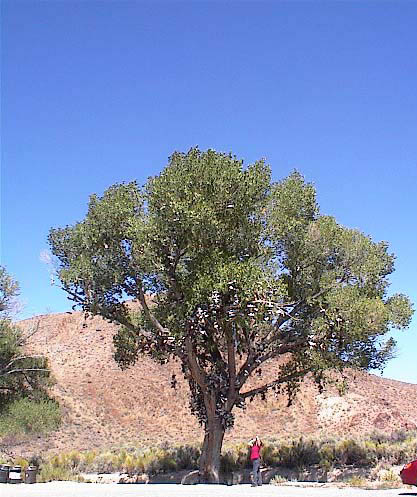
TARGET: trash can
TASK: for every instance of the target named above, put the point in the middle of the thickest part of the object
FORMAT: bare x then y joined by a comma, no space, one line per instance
4,473
30,474
15,474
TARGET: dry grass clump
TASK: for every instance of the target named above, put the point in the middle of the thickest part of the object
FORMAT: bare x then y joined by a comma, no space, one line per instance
391,480
356,481
278,480
49,472
395,449
67,466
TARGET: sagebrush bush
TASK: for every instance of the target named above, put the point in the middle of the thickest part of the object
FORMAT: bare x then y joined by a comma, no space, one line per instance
228,462
354,453
235,458
298,454
186,456
103,463
270,455
36,460
50,472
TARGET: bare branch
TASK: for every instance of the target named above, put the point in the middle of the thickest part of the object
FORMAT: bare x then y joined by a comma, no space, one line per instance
19,359
31,332
23,370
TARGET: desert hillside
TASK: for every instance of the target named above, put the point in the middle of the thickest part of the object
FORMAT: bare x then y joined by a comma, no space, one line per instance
104,406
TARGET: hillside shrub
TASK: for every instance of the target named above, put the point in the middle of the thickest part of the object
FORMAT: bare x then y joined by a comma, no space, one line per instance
157,460
390,475
36,460
351,452
27,417
88,458
228,462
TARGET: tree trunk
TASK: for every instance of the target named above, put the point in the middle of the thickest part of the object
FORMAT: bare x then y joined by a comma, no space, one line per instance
211,451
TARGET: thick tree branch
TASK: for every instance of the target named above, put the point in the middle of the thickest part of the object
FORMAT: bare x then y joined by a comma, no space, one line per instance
196,372
172,274
249,358
271,337
156,324
250,366
268,386
231,359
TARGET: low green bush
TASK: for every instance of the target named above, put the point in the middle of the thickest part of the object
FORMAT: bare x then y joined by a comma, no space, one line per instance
28,417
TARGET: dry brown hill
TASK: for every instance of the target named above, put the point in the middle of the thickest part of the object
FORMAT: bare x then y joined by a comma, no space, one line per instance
104,406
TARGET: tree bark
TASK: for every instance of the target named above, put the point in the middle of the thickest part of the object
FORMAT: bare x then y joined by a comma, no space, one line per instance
211,451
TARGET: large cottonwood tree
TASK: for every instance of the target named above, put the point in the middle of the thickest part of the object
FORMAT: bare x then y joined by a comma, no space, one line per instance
231,270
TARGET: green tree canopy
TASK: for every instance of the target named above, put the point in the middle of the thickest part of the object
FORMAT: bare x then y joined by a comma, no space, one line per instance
231,270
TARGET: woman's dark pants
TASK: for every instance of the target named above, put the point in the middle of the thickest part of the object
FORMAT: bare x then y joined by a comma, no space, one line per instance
256,472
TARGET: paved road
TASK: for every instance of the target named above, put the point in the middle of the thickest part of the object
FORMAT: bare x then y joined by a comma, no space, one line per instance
72,489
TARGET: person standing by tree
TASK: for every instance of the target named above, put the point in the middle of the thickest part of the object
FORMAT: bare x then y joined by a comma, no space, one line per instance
255,455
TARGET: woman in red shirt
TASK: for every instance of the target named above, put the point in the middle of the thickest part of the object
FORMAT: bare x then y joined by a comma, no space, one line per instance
255,455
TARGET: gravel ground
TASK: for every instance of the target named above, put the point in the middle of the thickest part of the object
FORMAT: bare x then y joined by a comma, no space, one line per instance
73,489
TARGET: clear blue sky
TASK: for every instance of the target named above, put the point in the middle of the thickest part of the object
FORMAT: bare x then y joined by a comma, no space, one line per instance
99,92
